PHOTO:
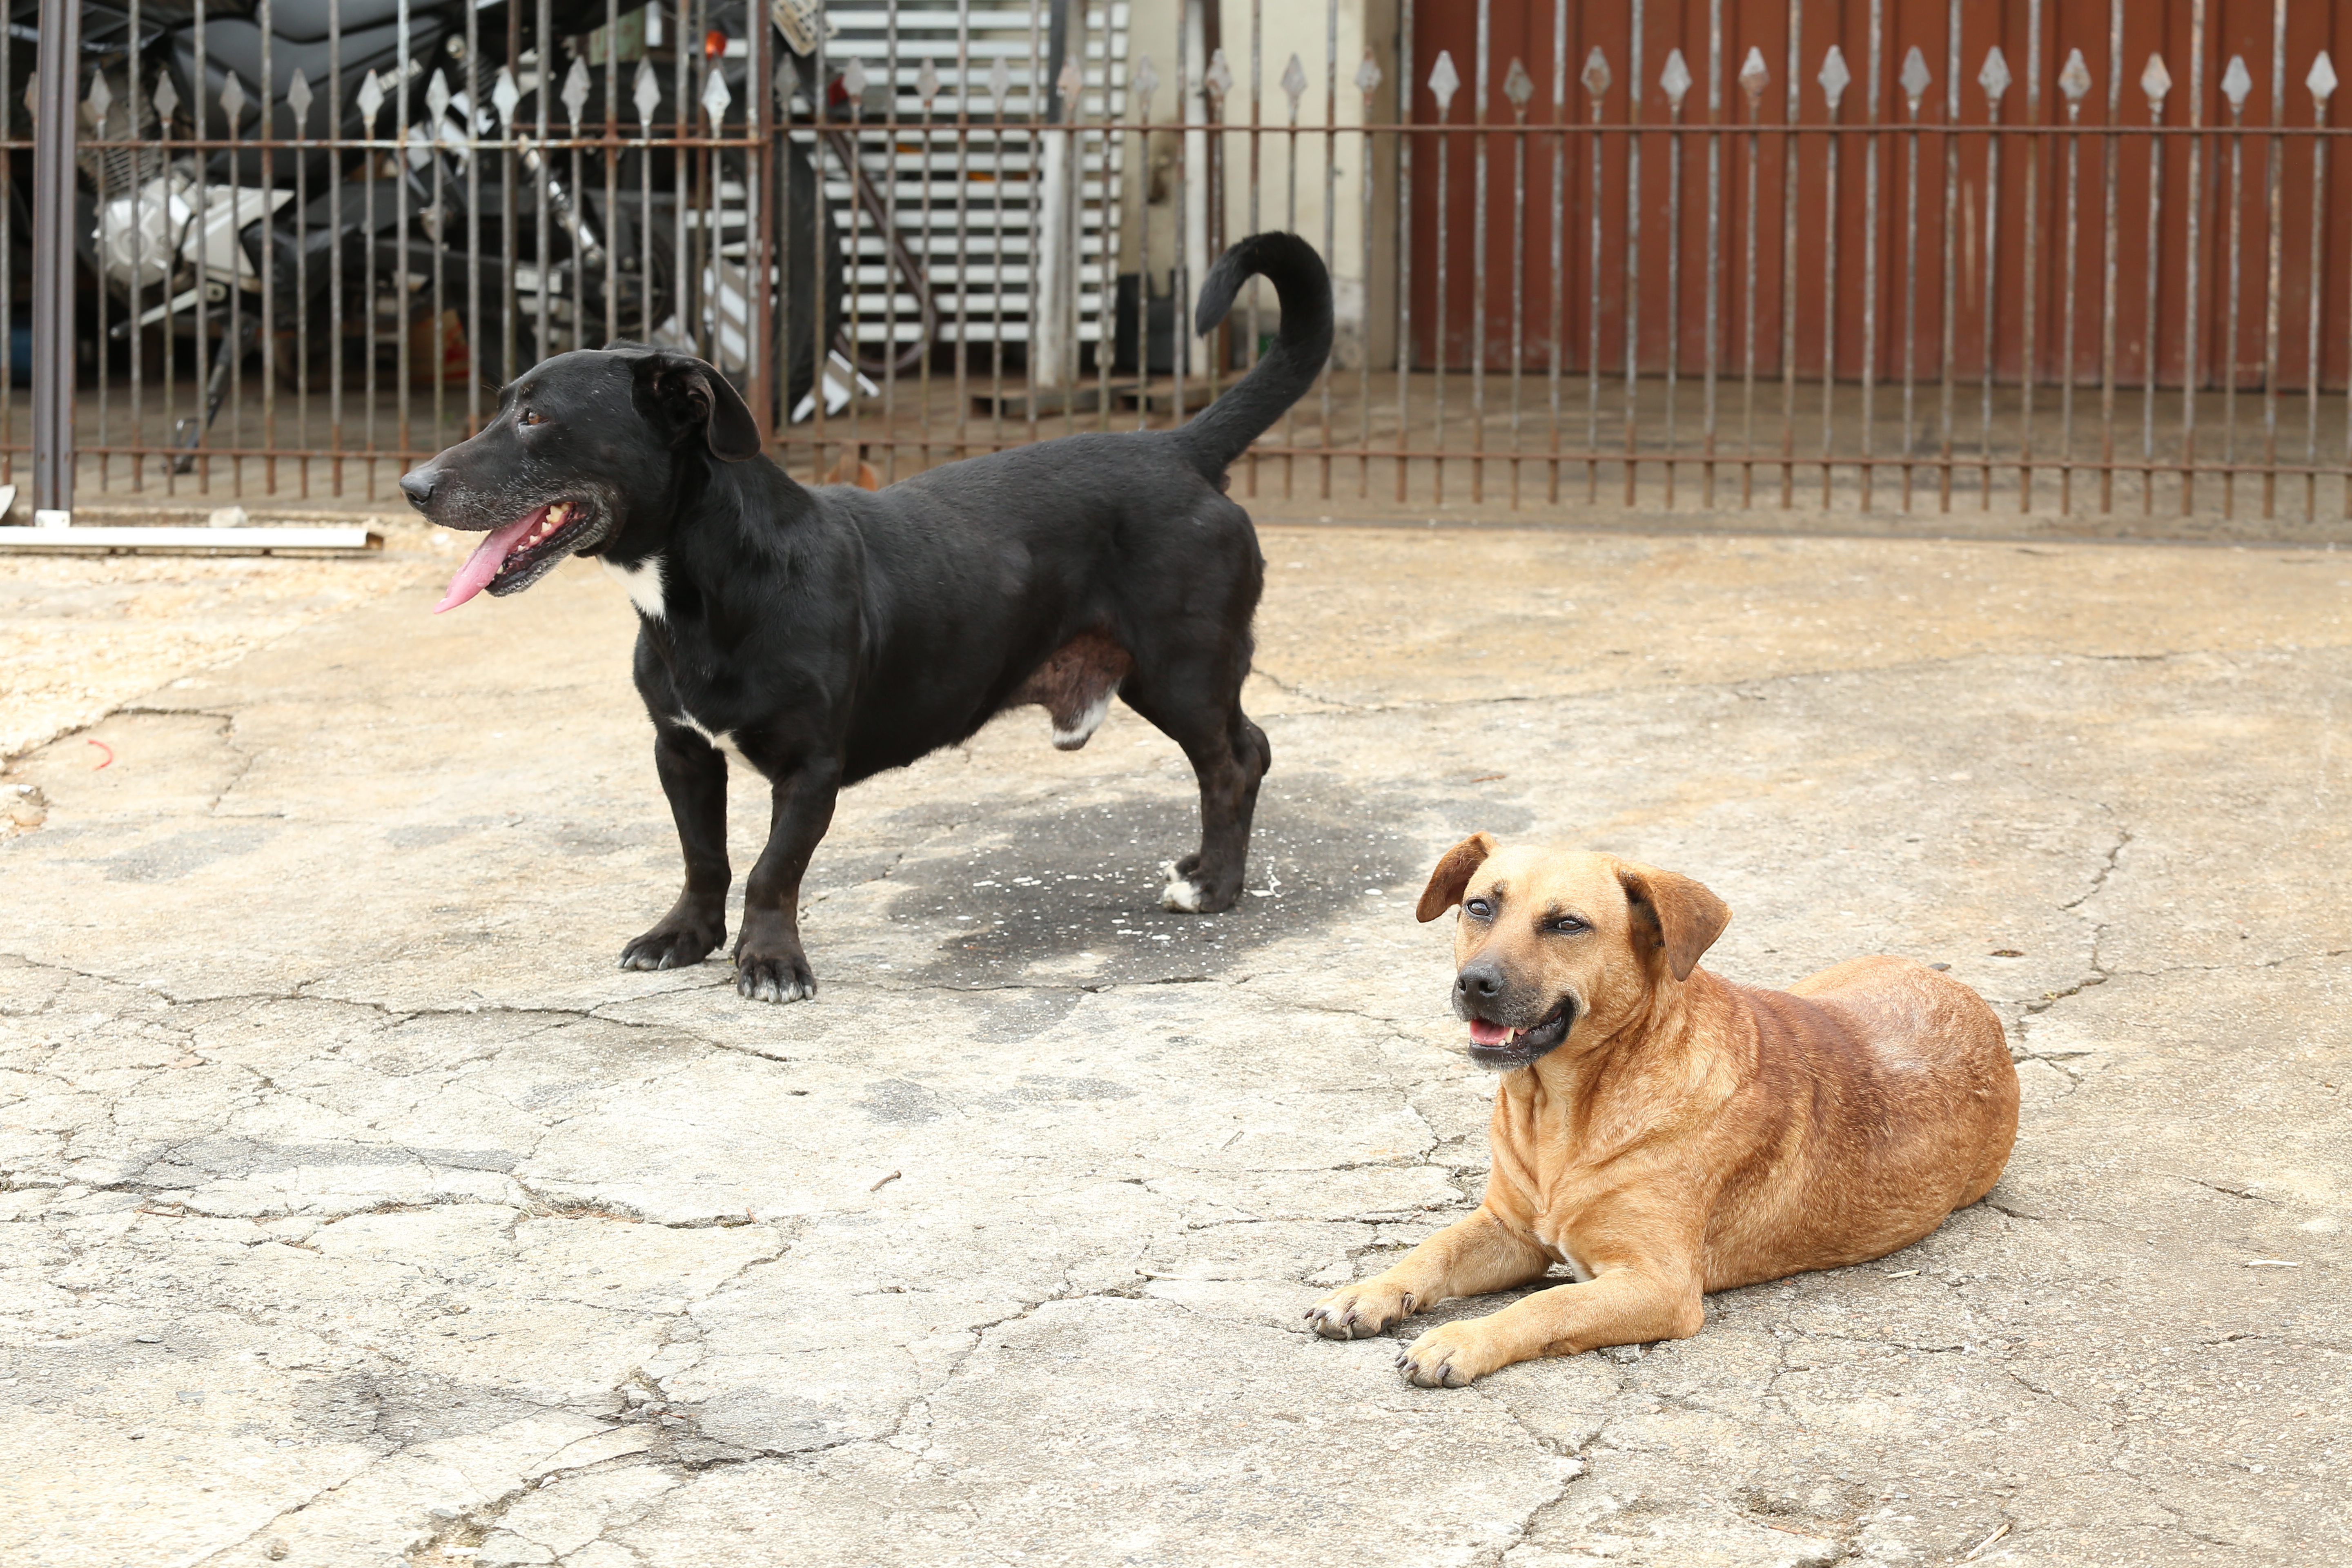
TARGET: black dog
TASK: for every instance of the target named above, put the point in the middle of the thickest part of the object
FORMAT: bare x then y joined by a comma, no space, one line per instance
826,635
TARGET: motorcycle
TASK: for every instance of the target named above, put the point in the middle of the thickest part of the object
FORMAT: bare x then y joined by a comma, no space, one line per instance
238,248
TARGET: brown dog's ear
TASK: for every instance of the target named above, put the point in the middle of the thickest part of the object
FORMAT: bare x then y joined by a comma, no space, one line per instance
689,393
1682,917
1455,870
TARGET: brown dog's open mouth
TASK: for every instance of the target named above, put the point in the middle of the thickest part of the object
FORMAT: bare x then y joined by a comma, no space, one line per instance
513,558
1501,1046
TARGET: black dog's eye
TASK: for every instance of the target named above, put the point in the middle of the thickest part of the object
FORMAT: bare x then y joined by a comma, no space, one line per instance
529,416
1478,909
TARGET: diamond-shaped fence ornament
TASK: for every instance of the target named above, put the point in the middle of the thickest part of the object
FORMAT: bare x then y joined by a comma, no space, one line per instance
436,95
2074,80
1070,84
853,82
1755,76
716,97
233,102
1676,80
1218,79
2156,81
2322,80
575,91
1294,82
166,96
2236,84
1596,76
1914,79
100,100
1518,86
1369,77
1146,81
504,96
1445,81
647,95
927,82
371,100
999,83
1835,78
299,99
1995,77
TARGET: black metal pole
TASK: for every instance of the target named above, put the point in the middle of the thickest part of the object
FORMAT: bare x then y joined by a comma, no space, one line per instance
53,256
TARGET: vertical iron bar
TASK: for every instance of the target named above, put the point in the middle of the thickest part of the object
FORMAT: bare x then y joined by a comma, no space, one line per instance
2316,304
1596,71
1911,284
2111,161
963,246
2066,363
135,333
1518,276
1404,250
1145,82
612,159
2033,154
2190,378
1674,285
1747,306
2148,336
891,239
1870,259
2230,321
9,199
1559,225
2273,177
1830,298
1633,246
1438,327
1790,115
1989,327
266,307
57,64
1330,205
1948,346
1368,77
1478,263
1713,232
400,172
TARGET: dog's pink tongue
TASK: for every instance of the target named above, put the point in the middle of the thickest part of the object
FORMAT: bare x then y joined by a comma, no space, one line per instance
1482,1033
484,563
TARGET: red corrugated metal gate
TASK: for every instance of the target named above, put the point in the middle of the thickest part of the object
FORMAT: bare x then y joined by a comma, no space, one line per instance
2241,213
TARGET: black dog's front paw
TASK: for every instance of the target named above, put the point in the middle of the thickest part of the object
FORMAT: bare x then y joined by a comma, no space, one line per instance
773,976
674,944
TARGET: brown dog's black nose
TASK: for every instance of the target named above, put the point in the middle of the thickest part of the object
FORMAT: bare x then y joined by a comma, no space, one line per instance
417,486
1478,982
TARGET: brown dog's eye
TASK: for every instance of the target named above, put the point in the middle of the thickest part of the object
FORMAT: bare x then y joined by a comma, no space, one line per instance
1478,909
1569,925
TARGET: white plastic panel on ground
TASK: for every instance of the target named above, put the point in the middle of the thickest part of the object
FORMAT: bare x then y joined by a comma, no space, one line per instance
970,214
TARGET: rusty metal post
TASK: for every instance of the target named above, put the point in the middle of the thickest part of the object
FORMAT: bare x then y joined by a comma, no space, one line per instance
53,260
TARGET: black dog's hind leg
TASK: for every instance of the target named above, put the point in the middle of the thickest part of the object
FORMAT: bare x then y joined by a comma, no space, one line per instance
770,964
1229,755
694,777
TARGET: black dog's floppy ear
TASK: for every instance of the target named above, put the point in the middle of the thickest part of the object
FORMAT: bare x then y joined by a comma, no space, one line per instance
690,394
1681,916
1455,870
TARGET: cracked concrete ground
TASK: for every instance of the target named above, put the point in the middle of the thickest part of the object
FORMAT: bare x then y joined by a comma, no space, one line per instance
360,1210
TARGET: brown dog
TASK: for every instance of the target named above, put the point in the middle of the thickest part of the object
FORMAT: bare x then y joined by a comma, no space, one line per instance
1664,1133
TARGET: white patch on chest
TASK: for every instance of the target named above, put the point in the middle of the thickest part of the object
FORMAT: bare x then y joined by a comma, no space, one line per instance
723,740
643,583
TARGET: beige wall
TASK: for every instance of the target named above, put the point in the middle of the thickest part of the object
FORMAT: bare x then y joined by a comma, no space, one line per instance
1365,307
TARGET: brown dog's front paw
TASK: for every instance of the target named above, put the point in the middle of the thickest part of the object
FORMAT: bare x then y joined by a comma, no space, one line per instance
1360,1311
773,976
674,944
1454,1355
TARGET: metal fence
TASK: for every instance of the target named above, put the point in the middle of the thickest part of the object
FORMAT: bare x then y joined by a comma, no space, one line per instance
1873,258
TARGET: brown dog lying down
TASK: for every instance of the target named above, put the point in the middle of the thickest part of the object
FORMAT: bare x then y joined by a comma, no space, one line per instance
1664,1133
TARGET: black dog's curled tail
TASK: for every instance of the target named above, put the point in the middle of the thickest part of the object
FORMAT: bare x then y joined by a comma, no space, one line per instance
1224,430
